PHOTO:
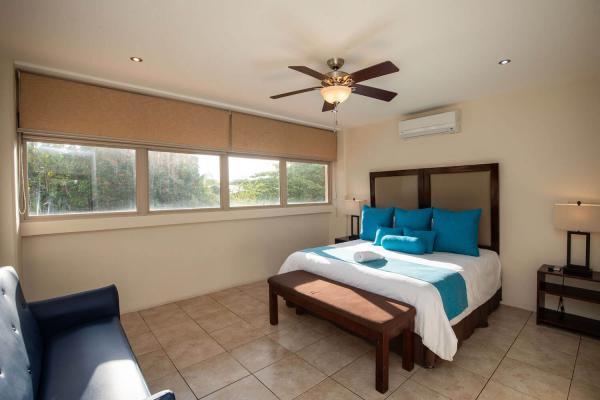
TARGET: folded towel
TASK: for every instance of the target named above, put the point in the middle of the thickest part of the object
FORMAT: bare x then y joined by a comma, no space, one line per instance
366,256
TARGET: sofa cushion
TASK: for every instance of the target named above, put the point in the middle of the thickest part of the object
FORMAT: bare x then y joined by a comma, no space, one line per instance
20,341
92,361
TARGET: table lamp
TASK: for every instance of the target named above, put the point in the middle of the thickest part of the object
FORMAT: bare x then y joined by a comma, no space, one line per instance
577,219
353,208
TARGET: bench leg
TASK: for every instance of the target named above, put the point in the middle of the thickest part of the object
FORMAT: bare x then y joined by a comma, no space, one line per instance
382,363
273,313
408,351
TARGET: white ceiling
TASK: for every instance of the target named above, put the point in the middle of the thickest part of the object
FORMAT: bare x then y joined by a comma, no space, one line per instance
237,52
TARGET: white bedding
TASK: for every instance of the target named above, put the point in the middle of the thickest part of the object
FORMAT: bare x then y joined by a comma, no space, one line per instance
481,275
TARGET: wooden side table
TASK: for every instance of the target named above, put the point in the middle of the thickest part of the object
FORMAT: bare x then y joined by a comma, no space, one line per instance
565,320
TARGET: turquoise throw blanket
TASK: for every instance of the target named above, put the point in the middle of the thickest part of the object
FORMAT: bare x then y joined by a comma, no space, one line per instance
450,284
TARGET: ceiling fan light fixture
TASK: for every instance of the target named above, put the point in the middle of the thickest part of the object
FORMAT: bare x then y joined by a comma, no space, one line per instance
336,94
336,85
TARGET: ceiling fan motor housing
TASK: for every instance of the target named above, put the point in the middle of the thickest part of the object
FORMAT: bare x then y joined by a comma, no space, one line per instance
337,77
335,63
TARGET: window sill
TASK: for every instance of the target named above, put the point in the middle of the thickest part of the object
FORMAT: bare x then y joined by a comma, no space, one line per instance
35,228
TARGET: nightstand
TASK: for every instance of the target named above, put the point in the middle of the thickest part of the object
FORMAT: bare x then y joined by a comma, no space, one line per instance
559,319
345,239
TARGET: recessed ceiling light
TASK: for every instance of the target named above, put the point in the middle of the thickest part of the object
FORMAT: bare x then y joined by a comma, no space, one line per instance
504,61
136,59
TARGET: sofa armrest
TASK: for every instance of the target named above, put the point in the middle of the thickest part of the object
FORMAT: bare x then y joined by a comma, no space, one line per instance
61,313
162,395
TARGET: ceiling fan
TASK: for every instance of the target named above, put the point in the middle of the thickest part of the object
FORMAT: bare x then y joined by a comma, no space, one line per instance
337,85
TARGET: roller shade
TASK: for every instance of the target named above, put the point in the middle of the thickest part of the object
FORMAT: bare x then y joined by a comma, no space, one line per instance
57,105
251,134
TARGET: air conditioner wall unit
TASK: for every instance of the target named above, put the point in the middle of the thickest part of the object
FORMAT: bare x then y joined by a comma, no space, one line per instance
439,123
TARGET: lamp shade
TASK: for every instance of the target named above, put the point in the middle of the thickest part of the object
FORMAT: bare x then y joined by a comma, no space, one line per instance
335,94
577,217
353,206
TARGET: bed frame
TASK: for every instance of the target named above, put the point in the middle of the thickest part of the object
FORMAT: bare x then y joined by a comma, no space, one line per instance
456,187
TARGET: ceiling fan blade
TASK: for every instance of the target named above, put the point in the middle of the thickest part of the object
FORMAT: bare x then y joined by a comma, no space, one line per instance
309,71
384,68
328,106
375,93
277,96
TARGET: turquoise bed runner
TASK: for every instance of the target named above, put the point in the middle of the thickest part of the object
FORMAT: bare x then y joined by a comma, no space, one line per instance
450,284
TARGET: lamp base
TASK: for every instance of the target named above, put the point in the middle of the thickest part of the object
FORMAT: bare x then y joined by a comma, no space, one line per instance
577,270
352,225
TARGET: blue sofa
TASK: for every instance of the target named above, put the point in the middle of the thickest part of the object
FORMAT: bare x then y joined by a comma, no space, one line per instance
67,348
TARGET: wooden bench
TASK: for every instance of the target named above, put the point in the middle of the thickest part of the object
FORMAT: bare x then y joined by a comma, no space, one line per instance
366,314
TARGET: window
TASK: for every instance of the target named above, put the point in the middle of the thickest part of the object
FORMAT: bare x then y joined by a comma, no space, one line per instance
101,177
69,179
306,182
179,180
253,182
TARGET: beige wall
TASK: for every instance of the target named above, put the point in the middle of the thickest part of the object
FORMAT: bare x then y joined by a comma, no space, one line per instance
340,223
547,141
152,266
9,236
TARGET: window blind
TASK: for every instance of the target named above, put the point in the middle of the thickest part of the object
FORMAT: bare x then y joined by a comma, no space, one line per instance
54,105
252,134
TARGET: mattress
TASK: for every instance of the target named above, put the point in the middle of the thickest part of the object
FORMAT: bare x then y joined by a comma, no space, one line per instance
482,277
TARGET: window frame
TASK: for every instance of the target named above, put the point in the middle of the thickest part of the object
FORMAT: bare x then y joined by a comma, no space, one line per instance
260,157
146,172
79,215
328,181
142,181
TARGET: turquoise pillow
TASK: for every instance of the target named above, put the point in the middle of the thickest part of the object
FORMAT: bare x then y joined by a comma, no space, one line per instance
426,236
372,219
382,231
457,231
405,244
419,219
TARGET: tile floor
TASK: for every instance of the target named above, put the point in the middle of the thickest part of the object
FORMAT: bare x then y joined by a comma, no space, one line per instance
221,346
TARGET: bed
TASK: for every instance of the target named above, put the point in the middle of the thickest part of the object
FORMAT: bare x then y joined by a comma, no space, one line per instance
459,187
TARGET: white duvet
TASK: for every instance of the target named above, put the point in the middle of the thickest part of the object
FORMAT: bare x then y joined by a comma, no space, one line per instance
481,275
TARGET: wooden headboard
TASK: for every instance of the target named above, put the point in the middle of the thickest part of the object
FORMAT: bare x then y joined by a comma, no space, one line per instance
455,188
